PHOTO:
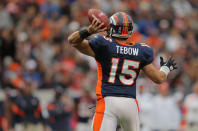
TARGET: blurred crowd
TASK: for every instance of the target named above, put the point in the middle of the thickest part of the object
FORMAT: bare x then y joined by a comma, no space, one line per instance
36,56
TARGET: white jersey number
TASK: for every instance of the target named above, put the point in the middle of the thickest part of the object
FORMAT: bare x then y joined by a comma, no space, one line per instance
125,71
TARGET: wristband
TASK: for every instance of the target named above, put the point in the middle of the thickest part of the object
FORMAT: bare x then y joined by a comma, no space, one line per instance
84,33
165,69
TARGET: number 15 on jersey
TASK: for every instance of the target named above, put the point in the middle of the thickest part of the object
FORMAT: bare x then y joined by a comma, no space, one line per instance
125,71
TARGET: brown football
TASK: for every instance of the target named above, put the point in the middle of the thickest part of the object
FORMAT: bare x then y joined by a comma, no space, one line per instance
99,15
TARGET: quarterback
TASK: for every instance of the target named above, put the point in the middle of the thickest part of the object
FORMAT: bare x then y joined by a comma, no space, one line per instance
118,63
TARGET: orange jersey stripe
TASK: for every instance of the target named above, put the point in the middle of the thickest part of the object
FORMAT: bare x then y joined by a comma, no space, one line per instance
37,113
137,105
99,82
100,108
130,44
17,110
51,107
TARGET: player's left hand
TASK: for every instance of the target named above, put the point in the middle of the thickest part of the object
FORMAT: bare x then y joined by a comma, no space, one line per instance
171,64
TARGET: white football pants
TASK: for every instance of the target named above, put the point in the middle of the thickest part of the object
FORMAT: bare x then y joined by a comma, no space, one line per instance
113,111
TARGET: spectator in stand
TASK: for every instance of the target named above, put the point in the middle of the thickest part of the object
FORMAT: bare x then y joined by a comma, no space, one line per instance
6,20
191,106
7,44
30,73
165,111
144,98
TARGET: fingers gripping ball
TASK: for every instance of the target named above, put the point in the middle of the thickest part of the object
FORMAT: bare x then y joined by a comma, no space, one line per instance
100,16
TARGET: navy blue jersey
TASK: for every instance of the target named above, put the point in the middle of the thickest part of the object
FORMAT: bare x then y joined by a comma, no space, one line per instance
119,65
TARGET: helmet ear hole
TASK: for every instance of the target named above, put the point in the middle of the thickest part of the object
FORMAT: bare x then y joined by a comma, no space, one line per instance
112,31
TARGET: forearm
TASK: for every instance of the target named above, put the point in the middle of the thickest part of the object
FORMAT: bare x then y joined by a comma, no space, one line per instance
159,77
154,74
75,39
162,74
78,38
78,41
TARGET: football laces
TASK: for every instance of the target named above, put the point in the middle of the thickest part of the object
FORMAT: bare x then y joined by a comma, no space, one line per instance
96,18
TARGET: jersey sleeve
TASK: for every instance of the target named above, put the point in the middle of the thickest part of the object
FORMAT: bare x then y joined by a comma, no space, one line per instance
97,44
147,57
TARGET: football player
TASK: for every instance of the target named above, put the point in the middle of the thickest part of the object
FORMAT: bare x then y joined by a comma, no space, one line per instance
118,63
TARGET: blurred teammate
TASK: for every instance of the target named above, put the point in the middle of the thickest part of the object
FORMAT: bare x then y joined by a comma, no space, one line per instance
26,111
3,121
84,114
59,112
191,105
119,62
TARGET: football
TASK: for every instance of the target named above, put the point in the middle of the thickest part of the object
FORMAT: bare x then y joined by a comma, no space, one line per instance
99,15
